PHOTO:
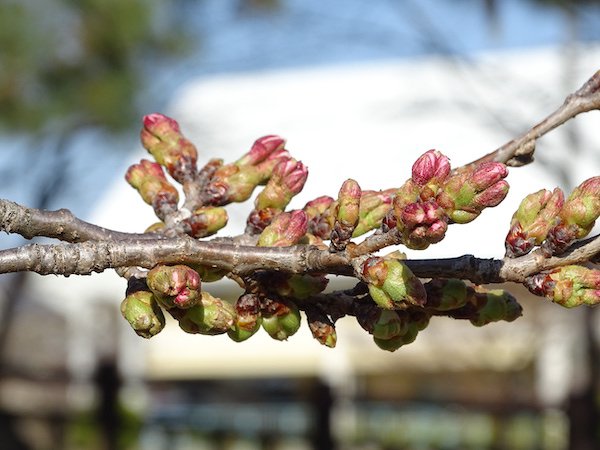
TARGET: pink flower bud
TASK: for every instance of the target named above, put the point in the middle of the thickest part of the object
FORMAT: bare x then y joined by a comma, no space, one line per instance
431,166
347,214
287,180
320,216
175,286
261,149
285,230
422,224
162,137
465,194
487,174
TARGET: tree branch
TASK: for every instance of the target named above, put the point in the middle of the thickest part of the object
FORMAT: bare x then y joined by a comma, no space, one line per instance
519,151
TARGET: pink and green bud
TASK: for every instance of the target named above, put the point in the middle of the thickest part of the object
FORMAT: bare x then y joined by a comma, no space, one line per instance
211,316
287,180
421,224
262,148
206,221
162,137
142,312
248,318
374,205
392,285
569,286
260,219
285,230
347,214
493,306
446,294
577,217
320,216
149,180
536,216
321,327
175,286
281,318
466,194
429,172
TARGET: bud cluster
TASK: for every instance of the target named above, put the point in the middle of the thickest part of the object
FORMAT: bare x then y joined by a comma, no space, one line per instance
235,182
547,220
569,286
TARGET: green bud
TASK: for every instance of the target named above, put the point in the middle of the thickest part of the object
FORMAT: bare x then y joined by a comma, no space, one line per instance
321,327
281,319
495,305
211,317
446,294
536,216
142,312
206,221
392,285
346,214
248,319
394,343
390,324
374,205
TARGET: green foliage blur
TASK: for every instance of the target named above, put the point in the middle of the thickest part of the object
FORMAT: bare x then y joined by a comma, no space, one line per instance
77,60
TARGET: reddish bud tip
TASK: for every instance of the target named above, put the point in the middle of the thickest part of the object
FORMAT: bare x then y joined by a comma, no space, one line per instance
431,165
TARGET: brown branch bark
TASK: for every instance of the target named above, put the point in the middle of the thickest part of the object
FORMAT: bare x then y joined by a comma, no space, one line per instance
519,151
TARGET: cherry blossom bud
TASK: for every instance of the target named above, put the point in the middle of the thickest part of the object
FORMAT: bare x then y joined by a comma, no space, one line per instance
321,327
467,193
287,180
421,223
320,216
374,205
281,318
175,286
446,295
536,216
162,137
285,230
493,306
390,324
261,149
205,221
211,316
430,171
142,312
569,286
149,180
392,285
577,217
346,214
395,341
260,219
248,319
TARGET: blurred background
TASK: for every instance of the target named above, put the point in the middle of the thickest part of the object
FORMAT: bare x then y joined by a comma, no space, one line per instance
360,89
